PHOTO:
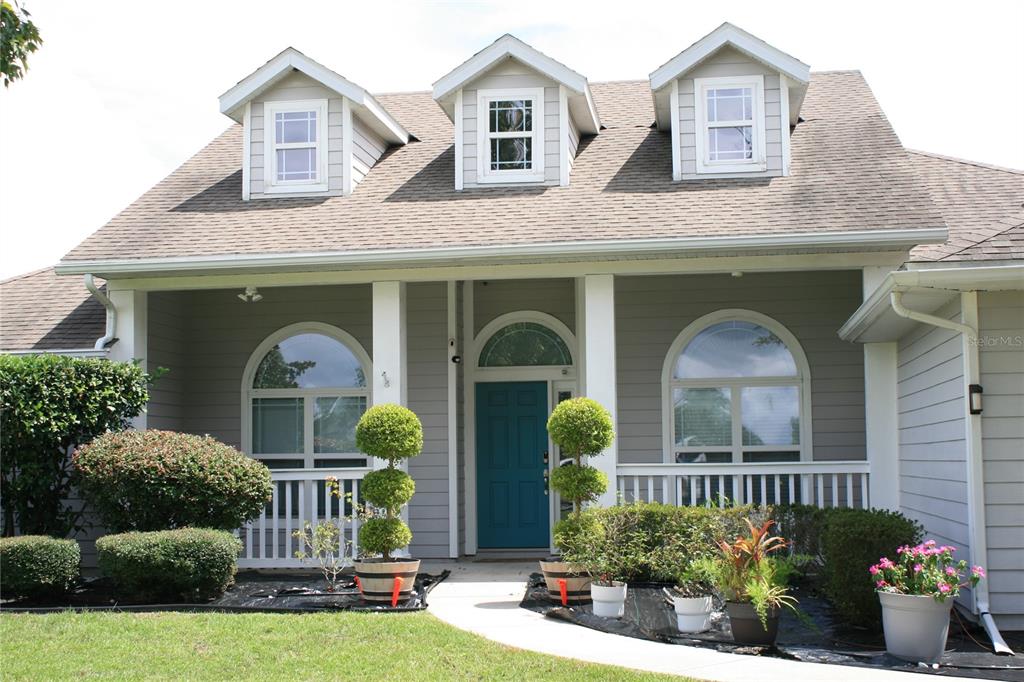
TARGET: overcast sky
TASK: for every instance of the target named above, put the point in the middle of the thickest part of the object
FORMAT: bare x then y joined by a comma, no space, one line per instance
121,93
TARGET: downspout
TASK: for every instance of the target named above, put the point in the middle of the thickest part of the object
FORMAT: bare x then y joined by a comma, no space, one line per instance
975,483
108,337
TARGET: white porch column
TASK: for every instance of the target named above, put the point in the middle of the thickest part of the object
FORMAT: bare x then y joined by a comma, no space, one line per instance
881,411
599,376
390,366
131,332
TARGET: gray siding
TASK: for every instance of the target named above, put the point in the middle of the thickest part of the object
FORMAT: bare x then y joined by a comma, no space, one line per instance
730,62
556,297
1001,322
510,75
367,148
165,350
650,312
574,142
930,389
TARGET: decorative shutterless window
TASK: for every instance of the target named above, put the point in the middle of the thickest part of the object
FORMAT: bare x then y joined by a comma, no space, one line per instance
525,344
295,154
307,394
738,393
510,139
730,133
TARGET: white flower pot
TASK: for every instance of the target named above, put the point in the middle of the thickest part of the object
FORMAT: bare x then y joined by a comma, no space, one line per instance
693,614
915,626
609,600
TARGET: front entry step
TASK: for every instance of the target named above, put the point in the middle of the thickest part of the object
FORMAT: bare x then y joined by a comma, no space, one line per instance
514,554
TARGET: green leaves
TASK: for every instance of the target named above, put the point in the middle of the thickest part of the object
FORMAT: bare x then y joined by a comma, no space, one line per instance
383,536
37,566
579,483
389,431
581,427
19,37
389,489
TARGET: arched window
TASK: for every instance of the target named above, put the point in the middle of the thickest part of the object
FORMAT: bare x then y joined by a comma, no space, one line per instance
737,390
305,388
525,344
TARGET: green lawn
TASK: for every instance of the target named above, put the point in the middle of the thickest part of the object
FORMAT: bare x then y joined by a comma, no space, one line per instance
218,646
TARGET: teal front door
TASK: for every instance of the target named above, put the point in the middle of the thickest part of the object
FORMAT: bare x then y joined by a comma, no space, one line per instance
511,444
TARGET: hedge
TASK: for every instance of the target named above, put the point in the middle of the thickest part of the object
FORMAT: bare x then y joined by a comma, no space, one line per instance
158,480
37,566
189,564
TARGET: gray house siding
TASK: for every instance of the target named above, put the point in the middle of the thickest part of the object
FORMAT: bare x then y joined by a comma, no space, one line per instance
165,349
556,297
1001,322
650,313
367,148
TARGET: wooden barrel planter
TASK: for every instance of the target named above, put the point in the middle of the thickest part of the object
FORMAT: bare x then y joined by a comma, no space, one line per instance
386,581
566,585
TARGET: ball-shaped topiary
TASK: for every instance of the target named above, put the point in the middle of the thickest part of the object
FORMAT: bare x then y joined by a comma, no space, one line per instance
572,532
581,427
579,483
388,488
383,535
391,432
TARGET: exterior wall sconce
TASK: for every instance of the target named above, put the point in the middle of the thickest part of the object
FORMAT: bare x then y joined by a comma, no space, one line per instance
974,392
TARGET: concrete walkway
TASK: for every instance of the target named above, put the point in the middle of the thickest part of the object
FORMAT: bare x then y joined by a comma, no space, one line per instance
484,598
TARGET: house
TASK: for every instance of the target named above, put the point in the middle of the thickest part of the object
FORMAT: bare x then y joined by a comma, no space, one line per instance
776,301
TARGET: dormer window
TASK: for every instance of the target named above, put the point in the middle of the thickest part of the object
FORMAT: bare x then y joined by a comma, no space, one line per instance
511,137
730,117
296,137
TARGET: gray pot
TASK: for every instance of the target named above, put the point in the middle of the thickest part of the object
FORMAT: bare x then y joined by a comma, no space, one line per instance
915,626
746,625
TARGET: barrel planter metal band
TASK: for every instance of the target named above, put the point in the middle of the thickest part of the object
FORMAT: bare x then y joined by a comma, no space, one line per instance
377,578
576,584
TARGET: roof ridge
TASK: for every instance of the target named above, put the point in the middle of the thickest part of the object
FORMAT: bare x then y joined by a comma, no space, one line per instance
966,162
26,274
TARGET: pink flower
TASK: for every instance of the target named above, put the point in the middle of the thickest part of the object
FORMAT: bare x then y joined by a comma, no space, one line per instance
873,570
885,563
880,583
950,570
978,571
944,588
930,543
918,568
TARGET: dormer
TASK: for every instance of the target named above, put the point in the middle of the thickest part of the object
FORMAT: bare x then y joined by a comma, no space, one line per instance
518,116
730,102
307,131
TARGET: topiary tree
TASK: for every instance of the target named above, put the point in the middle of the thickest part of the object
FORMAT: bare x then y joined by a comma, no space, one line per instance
158,480
48,405
393,433
581,428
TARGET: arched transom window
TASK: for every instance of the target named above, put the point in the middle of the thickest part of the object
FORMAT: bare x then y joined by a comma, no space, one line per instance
738,391
306,392
525,344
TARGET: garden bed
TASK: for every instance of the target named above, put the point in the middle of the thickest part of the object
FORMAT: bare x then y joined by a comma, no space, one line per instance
252,592
821,639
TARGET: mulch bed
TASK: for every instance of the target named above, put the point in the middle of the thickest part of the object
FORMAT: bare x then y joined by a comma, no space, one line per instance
252,592
819,639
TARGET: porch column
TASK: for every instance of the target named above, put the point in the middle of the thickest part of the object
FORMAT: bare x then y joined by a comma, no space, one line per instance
131,331
599,377
881,411
389,344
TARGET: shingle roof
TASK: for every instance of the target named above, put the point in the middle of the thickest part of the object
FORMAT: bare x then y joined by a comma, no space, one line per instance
983,206
41,311
849,173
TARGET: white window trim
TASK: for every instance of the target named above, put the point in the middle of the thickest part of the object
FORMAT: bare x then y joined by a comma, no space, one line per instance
308,394
271,185
802,381
483,156
759,162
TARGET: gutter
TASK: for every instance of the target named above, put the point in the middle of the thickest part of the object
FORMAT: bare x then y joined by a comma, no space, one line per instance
974,457
108,337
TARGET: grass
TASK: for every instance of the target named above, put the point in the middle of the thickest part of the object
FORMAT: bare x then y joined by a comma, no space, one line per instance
219,646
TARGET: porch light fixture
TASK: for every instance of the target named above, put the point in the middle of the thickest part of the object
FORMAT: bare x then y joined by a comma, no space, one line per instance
251,295
974,392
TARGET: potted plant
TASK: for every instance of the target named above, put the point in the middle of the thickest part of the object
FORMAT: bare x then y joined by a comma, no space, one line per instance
917,592
692,596
753,583
581,428
607,551
393,433
325,544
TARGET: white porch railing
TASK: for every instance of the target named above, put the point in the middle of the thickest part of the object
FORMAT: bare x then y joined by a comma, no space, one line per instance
824,484
299,495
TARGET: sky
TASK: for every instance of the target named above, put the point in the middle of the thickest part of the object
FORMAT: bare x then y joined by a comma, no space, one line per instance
121,93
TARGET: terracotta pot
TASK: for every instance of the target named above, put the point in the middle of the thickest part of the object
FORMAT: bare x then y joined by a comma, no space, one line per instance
693,614
916,626
609,600
746,625
577,583
377,578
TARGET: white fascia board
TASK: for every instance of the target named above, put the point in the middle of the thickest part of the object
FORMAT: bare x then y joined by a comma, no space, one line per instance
71,352
823,240
278,67
746,43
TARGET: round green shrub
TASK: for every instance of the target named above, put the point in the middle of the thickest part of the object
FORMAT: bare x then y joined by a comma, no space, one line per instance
579,483
157,480
391,432
572,533
37,566
188,563
581,427
388,489
383,535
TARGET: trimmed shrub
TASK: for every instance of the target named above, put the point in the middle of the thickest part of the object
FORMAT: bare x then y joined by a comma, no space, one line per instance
581,427
190,564
579,483
37,566
388,488
158,480
852,540
48,405
391,432
383,535
802,525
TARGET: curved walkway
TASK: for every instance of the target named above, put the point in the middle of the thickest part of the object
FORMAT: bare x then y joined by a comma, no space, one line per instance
484,598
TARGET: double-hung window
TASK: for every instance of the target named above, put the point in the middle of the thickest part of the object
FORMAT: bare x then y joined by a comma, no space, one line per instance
510,135
730,135
295,135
